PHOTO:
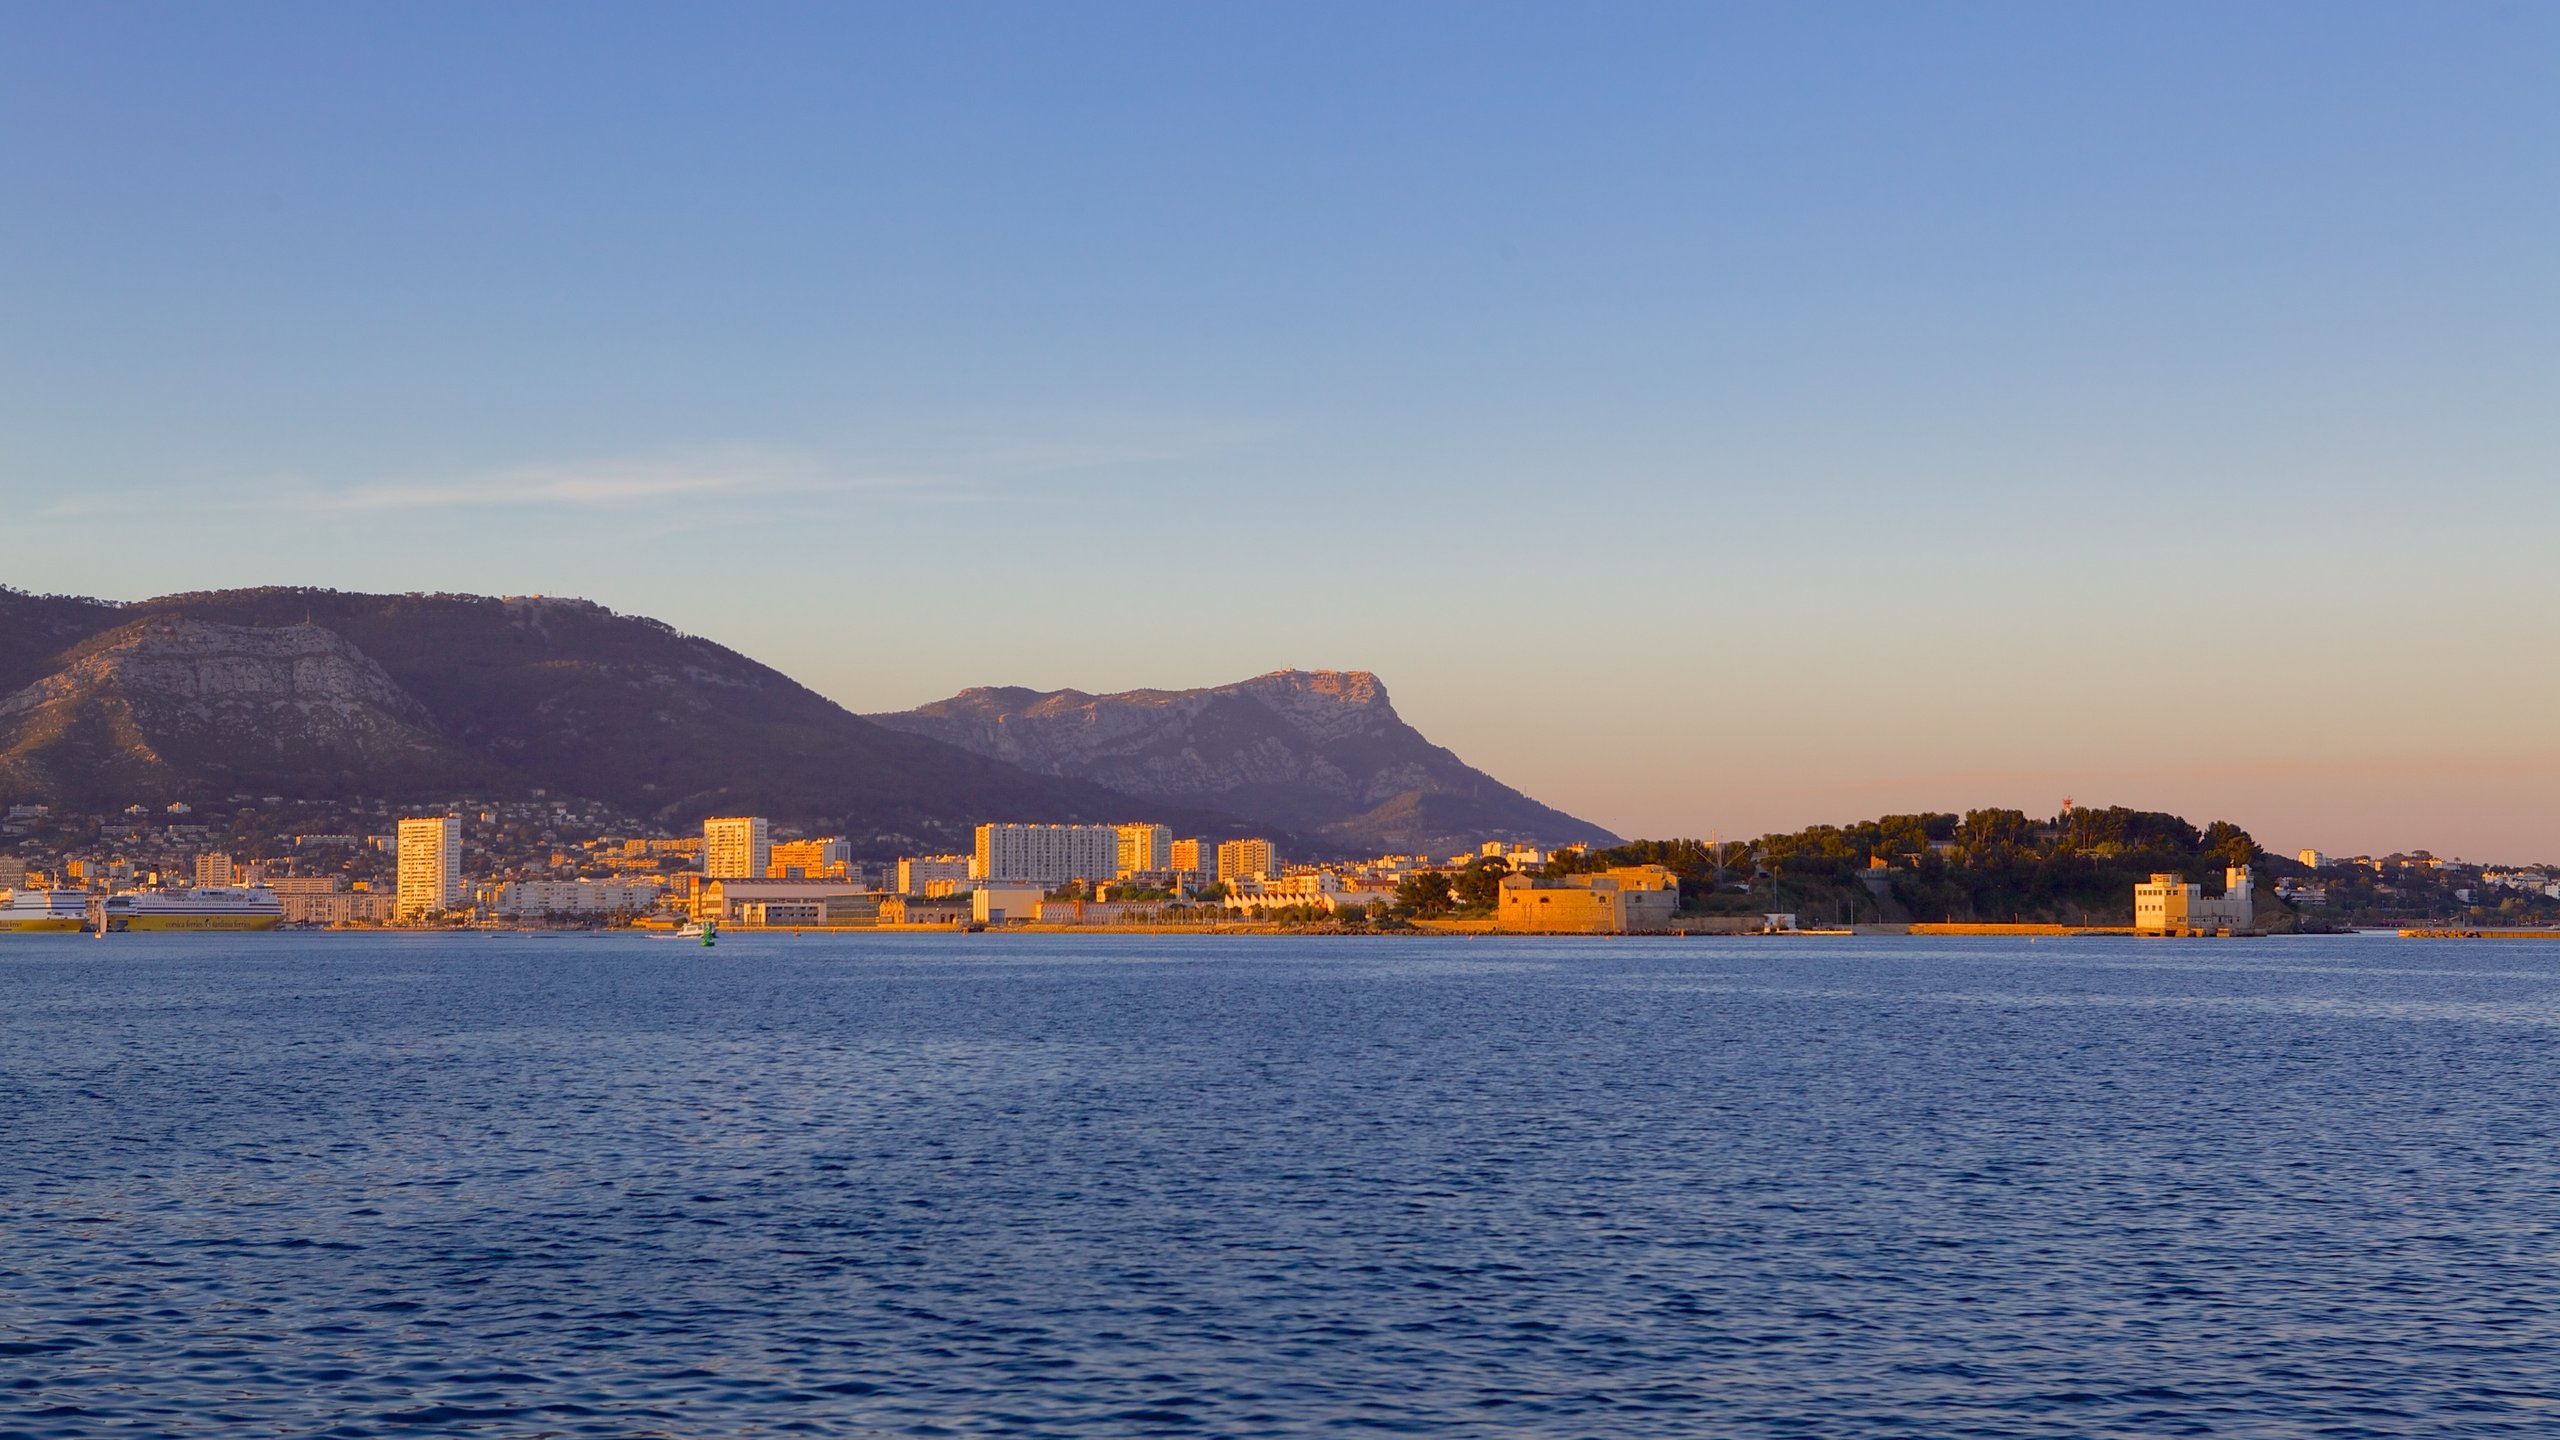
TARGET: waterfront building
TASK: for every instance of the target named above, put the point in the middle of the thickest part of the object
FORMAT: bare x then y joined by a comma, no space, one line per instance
998,904
736,847
2171,906
1046,854
1196,860
430,865
1255,858
1098,912
780,914
1320,889
921,874
826,859
326,900
725,900
1623,900
856,909
213,870
925,910
1144,849
524,899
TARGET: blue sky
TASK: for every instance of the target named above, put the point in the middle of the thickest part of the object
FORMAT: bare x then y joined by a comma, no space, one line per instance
1705,417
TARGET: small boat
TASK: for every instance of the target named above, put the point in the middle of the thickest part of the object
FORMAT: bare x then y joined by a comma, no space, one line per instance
706,931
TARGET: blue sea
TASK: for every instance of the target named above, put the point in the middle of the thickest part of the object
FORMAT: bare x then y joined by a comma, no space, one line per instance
1099,1186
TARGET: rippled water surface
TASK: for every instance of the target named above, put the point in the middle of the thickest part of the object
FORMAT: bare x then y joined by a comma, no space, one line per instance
1104,1185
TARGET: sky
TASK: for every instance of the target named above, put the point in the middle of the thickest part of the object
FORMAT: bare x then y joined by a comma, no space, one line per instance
1708,418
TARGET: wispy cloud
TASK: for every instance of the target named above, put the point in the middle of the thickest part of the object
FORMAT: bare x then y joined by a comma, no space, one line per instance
958,466
736,471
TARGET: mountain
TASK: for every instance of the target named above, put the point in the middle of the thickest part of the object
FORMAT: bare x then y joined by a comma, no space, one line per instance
320,694
1320,752
152,706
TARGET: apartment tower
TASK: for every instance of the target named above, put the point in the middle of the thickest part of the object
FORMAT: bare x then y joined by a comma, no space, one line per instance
1145,849
430,866
1255,858
736,847
1046,854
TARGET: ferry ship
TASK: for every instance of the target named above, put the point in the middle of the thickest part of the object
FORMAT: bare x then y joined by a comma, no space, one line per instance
254,908
45,910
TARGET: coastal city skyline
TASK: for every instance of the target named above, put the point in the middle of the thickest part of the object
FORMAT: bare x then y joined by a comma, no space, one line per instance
1472,717
1701,417
548,863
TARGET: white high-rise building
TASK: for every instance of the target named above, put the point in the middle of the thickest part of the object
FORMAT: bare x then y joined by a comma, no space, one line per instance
430,866
1046,854
736,847
1145,849
213,870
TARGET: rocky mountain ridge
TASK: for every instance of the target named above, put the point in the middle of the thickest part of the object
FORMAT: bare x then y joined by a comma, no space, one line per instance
148,704
318,694
1321,752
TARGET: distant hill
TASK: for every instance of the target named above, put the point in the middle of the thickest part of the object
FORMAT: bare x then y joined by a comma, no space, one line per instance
318,694
1320,752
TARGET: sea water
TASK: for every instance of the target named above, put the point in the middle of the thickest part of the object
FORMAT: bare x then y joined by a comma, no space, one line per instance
1111,1185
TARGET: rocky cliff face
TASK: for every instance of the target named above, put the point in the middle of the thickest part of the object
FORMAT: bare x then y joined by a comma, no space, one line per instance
159,702
1319,752
320,694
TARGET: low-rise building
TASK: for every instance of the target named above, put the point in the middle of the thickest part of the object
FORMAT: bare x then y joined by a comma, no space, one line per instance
586,899
2303,893
1097,912
777,914
722,900
830,858
927,910
1624,900
339,907
857,907
919,874
1002,904
2169,905
1321,890
849,909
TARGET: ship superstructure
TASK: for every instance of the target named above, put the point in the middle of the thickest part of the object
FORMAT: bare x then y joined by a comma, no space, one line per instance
45,910
241,908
